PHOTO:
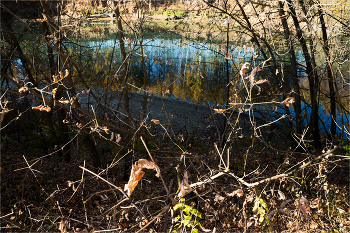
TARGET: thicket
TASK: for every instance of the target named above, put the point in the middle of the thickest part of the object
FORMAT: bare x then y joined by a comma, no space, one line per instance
75,148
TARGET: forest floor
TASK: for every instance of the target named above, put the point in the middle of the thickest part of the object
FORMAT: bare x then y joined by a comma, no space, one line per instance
44,193
40,192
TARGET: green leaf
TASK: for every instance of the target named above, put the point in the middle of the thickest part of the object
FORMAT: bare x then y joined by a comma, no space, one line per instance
187,220
261,219
194,230
188,209
197,223
195,212
263,204
179,206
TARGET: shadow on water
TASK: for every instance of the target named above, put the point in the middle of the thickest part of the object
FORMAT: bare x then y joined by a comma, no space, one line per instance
189,71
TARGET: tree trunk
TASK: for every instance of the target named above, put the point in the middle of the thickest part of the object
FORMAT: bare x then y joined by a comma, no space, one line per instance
310,74
294,69
330,77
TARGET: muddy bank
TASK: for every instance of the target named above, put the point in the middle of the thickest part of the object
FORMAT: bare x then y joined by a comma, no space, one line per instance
175,115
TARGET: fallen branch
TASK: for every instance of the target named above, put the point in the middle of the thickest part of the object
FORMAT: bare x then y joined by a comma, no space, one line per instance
283,175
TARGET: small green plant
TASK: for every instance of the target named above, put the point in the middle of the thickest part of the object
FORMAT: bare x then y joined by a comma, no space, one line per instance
180,13
260,207
168,13
187,217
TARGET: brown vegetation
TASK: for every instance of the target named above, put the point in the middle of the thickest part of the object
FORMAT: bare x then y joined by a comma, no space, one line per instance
81,153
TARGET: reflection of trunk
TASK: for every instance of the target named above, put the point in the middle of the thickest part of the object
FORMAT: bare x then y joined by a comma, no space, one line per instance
293,62
47,27
223,139
128,162
330,77
24,60
61,112
312,79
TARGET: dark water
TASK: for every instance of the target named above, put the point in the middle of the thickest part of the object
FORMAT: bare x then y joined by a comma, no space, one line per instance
191,71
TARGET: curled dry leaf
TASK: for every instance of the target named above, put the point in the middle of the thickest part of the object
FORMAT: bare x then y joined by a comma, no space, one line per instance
288,101
117,138
55,78
219,110
42,108
64,101
2,114
261,81
62,226
284,203
253,73
184,187
281,194
314,203
341,211
243,69
105,129
228,56
238,193
137,173
304,207
23,89
223,48
155,121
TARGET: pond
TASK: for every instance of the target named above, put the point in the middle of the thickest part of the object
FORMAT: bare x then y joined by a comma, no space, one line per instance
174,67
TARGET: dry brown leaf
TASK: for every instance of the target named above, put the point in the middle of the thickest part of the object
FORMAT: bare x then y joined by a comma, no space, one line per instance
244,67
281,194
62,226
223,48
155,121
64,101
253,73
184,187
261,81
137,173
2,114
288,101
314,203
341,211
219,110
117,138
23,89
218,198
238,193
304,207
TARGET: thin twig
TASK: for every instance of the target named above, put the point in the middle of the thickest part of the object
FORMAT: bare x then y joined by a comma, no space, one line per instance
160,175
121,190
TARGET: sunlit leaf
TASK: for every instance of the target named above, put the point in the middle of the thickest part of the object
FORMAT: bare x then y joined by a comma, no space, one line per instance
137,173
243,69
314,203
38,107
184,187
238,193
155,121
23,89
304,207
261,81
118,138
288,101
281,194
219,110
